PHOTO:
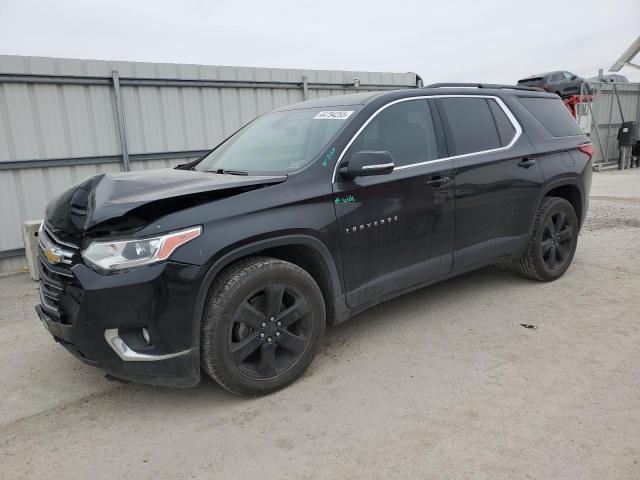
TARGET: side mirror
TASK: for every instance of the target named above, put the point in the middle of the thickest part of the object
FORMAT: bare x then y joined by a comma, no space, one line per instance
573,77
366,163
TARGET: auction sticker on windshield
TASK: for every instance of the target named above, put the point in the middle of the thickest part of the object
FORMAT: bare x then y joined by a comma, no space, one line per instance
334,115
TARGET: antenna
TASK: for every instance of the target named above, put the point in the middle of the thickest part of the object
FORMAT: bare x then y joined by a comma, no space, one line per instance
627,56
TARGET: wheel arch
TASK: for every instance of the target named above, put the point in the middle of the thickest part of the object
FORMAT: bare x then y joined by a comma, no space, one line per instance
571,190
305,251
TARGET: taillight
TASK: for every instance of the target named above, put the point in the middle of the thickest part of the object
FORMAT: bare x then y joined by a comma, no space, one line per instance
545,87
587,149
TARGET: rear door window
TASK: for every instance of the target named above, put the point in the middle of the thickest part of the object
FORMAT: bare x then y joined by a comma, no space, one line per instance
553,115
470,125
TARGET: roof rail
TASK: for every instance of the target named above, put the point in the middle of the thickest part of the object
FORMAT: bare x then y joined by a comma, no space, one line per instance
483,85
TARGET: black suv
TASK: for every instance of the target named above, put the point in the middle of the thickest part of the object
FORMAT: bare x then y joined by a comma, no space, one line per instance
561,83
235,263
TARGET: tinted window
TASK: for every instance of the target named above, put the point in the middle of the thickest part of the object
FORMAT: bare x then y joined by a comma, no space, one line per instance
471,125
506,131
553,115
555,77
405,130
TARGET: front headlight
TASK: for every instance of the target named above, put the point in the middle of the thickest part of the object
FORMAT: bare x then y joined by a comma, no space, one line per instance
122,254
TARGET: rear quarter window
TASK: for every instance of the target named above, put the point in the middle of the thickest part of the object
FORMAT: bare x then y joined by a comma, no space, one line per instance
506,131
553,115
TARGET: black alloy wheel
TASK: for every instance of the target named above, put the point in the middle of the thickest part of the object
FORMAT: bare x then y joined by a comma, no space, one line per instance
557,241
262,327
552,243
270,331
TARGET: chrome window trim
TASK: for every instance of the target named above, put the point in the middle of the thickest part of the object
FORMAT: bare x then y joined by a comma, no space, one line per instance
501,104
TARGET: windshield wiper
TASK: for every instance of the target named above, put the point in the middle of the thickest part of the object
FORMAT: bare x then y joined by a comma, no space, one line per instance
230,172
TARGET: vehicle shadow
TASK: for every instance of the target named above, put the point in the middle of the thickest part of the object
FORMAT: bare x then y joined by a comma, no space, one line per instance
371,321
461,286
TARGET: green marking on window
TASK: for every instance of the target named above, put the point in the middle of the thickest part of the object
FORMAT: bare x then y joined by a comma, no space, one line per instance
329,156
347,199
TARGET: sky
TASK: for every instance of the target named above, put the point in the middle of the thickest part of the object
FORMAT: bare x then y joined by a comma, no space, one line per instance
496,41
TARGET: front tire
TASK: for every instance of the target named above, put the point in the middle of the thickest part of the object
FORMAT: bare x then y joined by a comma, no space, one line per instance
263,325
553,241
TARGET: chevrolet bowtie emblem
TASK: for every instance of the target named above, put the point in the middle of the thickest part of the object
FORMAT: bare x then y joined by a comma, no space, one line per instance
52,256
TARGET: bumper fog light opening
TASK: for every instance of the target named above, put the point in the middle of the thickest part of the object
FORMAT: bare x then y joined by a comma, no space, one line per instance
127,354
146,336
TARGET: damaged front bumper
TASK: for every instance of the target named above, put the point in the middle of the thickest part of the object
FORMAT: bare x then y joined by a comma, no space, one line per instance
99,319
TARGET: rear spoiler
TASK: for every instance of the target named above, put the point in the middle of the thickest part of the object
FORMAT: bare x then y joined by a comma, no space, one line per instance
532,79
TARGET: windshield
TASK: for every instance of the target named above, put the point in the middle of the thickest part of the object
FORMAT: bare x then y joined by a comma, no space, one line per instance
278,142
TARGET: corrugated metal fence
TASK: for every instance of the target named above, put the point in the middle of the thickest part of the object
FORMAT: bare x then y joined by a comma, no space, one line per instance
64,120
612,104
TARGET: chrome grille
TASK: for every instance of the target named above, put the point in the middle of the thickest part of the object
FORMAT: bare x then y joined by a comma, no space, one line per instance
64,250
54,276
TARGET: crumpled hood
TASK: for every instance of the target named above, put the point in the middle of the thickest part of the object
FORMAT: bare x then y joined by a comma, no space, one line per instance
112,195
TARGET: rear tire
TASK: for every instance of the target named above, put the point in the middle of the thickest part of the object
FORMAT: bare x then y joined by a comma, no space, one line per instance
262,327
552,243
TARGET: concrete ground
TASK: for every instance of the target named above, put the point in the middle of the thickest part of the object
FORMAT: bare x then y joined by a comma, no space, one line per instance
441,383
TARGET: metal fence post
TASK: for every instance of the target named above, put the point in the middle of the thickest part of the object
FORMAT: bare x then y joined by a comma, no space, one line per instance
609,126
637,119
122,130
615,89
621,153
305,88
594,126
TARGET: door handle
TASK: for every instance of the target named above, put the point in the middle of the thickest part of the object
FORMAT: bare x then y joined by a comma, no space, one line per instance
438,181
526,162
